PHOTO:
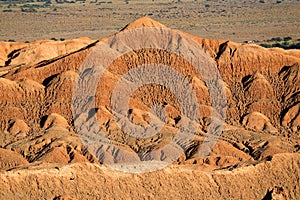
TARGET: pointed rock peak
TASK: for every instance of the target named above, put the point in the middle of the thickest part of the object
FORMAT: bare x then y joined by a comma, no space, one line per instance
144,22
290,73
294,69
258,75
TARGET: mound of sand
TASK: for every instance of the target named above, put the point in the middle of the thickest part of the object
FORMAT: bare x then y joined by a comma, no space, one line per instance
256,155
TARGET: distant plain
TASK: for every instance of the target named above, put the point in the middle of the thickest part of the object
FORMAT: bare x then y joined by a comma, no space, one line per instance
218,19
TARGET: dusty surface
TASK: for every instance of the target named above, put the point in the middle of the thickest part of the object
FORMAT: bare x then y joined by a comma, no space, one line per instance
255,157
233,20
88,181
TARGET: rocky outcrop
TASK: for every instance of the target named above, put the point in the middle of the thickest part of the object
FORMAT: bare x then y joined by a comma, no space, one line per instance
48,148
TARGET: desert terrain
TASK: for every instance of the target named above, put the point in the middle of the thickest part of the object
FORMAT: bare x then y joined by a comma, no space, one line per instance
246,140
234,20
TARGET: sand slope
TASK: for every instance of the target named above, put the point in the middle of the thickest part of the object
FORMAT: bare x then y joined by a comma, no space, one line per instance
42,155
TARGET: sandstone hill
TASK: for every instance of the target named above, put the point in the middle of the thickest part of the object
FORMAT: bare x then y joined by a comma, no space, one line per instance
42,156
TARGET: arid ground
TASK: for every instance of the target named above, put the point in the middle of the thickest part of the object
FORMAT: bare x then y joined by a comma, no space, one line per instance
221,19
68,130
